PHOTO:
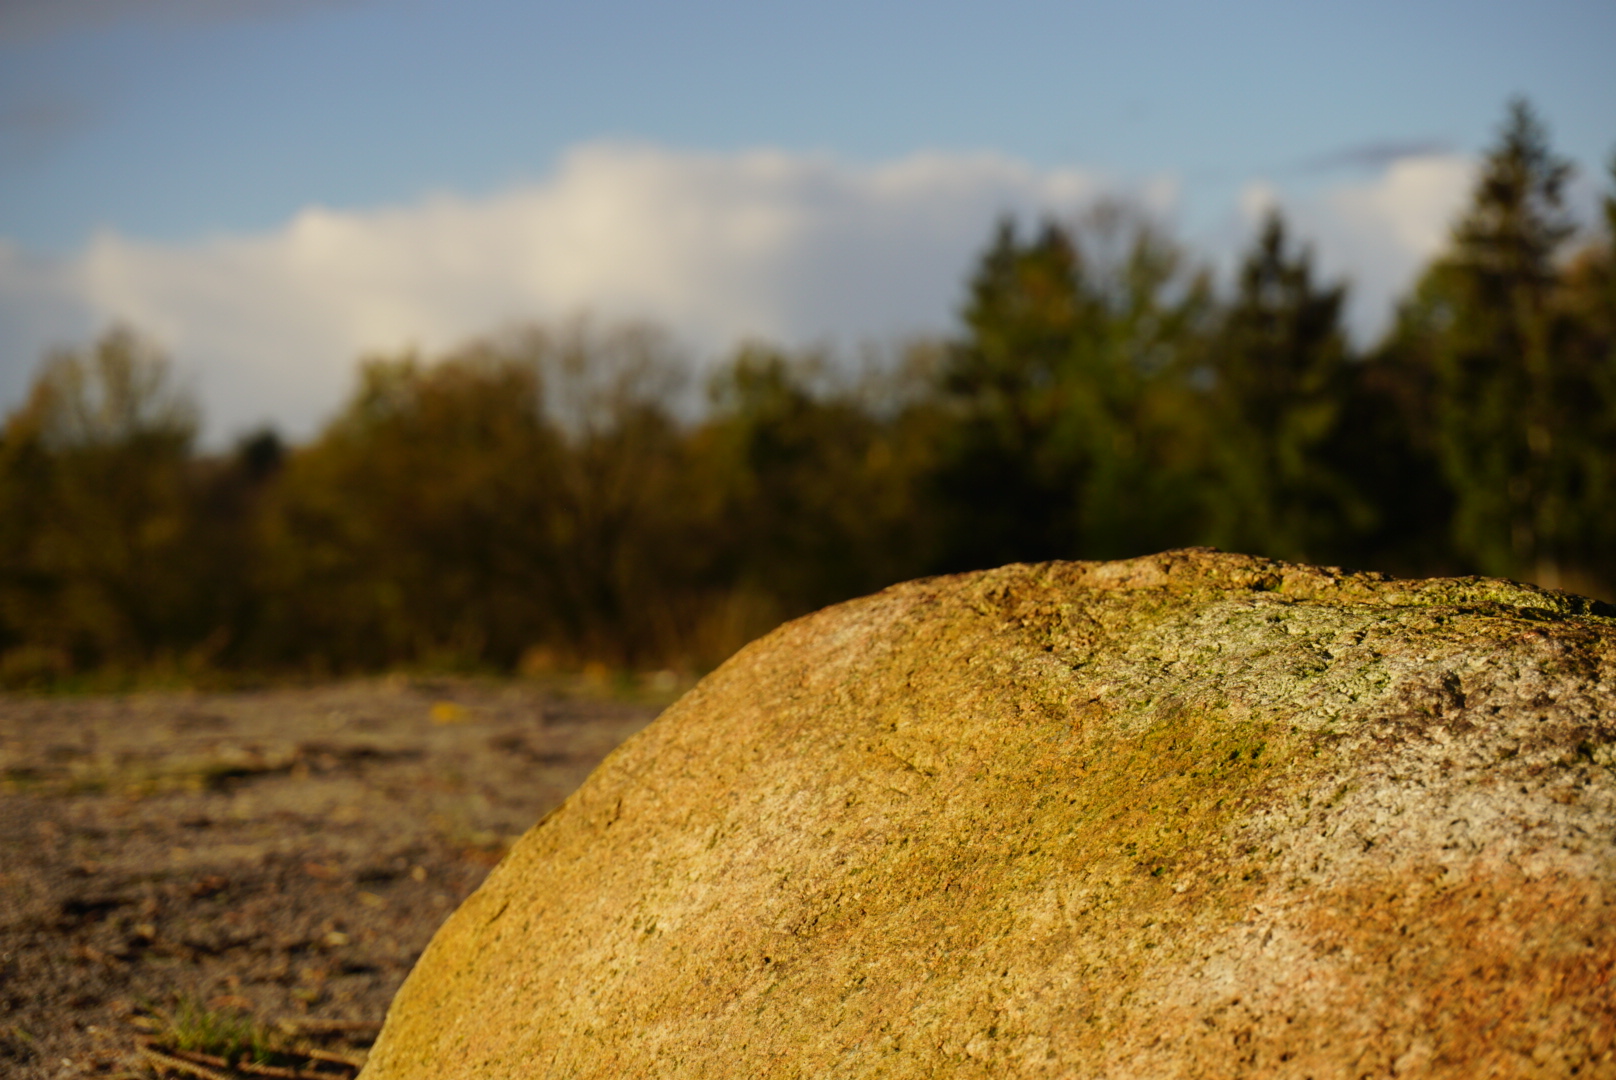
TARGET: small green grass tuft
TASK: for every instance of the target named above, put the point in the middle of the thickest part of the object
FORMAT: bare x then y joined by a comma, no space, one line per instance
224,1033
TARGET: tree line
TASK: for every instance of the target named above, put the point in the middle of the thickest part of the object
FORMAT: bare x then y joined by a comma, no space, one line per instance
543,499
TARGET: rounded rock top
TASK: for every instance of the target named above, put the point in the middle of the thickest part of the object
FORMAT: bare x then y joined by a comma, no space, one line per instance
1194,814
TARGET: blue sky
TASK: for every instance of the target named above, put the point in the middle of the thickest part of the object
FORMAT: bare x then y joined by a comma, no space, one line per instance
148,143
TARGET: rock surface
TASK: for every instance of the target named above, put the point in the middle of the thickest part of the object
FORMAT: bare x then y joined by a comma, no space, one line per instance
1188,815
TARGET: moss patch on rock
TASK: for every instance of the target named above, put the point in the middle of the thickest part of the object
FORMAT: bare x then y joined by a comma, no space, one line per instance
1193,814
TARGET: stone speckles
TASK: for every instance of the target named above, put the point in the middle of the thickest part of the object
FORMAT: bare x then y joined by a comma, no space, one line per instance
1188,815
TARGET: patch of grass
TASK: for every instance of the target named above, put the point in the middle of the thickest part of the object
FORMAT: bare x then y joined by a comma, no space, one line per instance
224,1033
16,1044
191,1039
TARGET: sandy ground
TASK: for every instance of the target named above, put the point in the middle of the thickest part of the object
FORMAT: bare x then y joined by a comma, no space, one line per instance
282,853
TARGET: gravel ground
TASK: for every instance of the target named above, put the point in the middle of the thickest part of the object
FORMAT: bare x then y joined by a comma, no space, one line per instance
280,854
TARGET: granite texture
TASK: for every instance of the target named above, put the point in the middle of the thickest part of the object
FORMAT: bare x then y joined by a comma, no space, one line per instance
1190,815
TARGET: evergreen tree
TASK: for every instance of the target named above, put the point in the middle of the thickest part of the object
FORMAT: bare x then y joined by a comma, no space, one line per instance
1135,388
1013,465
1278,364
1070,397
1588,305
1509,411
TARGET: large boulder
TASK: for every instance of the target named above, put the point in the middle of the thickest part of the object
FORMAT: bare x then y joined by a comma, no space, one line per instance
1189,815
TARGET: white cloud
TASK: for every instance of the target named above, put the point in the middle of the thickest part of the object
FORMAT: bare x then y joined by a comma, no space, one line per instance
1257,200
1377,233
42,306
716,247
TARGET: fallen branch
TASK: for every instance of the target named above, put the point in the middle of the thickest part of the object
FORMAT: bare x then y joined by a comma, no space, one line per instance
170,1061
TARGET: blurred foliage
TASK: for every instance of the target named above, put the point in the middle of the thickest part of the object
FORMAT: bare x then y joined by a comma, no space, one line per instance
1072,415
101,520
1278,392
1514,400
565,499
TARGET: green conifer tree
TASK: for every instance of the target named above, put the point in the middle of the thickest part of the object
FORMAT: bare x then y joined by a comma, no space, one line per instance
1508,410
1278,363
1588,307
1070,396
1013,465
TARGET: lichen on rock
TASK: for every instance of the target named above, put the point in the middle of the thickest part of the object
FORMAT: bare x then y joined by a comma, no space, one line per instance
1194,814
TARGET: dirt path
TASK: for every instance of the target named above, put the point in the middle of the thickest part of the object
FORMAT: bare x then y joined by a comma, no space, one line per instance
281,853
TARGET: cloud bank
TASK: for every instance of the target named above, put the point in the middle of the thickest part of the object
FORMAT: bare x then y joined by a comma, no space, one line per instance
716,247
1376,233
